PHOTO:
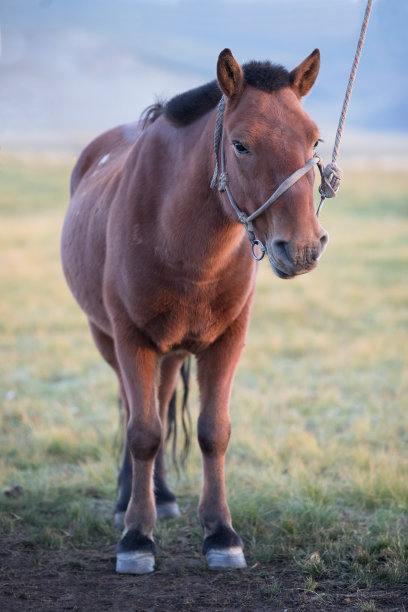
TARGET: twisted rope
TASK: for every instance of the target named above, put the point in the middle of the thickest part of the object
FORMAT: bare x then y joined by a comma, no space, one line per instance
332,174
351,81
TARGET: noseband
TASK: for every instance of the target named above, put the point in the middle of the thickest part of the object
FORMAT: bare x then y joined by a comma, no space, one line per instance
326,189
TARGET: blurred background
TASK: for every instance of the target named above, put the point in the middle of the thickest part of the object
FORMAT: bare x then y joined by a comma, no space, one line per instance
317,465
71,69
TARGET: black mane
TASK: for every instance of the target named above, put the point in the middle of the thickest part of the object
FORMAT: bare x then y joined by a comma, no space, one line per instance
189,106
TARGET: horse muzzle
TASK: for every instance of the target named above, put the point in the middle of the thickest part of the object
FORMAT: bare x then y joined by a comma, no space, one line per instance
289,259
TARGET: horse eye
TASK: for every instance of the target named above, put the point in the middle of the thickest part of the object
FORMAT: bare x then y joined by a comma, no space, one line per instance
316,144
239,147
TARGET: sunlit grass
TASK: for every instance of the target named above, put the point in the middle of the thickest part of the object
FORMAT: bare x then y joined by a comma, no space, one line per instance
317,465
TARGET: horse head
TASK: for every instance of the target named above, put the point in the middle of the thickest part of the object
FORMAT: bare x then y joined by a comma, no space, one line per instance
268,136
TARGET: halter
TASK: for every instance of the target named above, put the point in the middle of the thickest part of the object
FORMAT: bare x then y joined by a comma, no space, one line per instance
331,176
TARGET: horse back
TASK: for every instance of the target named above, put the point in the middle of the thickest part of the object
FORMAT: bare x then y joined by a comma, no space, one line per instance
109,146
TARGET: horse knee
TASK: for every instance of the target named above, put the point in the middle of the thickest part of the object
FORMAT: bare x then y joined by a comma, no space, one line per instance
213,437
144,439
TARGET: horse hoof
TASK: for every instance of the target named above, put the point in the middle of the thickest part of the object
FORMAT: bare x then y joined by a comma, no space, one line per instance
225,558
134,562
168,510
119,520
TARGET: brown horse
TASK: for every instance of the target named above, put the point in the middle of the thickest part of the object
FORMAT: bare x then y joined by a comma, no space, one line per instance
160,263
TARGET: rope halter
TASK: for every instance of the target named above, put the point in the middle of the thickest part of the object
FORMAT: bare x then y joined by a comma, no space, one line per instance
331,176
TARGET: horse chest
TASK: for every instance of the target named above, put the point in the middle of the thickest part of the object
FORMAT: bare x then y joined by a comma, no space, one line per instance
190,319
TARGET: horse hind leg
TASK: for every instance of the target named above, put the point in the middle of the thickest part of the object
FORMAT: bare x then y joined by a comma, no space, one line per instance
166,502
125,472
105,345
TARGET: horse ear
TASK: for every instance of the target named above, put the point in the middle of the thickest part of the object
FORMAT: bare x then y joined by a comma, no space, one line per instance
229,74
303,77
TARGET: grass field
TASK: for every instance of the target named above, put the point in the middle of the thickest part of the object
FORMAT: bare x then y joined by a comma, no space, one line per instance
317,468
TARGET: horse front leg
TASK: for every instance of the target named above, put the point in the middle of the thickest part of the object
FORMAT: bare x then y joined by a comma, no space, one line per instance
223,548
140,366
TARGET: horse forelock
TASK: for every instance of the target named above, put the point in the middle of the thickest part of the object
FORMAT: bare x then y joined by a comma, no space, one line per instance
186,107
266,76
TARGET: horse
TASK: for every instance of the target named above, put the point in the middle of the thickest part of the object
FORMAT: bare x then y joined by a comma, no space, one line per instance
159,260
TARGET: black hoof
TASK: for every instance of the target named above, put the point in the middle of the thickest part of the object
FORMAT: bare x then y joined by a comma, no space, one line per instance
223,549
135,553
223,537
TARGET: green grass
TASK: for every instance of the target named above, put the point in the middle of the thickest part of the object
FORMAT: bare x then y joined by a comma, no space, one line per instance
317,465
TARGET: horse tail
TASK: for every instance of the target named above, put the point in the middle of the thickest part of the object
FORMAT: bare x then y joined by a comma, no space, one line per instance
185,417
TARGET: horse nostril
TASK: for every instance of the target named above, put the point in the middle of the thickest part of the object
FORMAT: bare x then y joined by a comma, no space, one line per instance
280,250
323,241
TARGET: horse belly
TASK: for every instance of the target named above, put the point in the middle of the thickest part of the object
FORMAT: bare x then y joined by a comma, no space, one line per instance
83,257
83,250
95,180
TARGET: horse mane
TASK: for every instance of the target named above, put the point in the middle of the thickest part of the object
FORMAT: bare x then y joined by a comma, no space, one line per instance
186,107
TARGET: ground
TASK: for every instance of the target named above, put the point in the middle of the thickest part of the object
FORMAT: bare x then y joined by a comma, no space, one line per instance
86,580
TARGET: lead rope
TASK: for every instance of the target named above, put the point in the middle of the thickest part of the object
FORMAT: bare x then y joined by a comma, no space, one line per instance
332,174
